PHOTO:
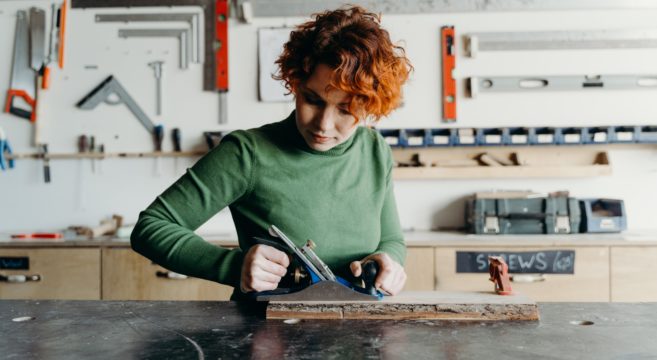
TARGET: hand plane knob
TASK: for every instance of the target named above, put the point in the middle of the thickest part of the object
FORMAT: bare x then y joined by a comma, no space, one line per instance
369,270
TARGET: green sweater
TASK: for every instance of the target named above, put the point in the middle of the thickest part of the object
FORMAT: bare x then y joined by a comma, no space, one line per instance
342,199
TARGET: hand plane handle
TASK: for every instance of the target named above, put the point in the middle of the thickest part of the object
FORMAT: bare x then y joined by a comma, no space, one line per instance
370,269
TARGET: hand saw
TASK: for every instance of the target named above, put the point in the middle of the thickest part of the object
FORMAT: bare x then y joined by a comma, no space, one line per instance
23,78
309,278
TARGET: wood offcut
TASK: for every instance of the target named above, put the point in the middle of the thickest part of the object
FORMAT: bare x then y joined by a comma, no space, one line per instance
434,305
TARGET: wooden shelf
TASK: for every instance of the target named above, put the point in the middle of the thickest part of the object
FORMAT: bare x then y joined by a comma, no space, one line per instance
100,156
525,162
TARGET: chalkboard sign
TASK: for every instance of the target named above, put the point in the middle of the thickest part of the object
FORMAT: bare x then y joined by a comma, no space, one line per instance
525,262
14,263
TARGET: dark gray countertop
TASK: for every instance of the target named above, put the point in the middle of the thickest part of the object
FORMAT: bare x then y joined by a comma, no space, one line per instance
196,330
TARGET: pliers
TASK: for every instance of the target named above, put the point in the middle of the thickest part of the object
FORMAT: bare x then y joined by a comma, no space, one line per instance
5,148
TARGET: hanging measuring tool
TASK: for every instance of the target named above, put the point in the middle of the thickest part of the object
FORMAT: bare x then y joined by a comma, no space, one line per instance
448,46
23,78
221,58
215,17
560,40
560,83
102,92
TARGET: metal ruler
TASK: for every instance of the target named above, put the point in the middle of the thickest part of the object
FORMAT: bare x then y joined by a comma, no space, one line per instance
560,40
546,83
190,18
286,8
181,34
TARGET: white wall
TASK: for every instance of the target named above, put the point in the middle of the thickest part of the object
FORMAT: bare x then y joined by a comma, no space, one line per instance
126,186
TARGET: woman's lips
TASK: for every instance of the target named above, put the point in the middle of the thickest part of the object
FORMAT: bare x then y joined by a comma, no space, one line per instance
320,139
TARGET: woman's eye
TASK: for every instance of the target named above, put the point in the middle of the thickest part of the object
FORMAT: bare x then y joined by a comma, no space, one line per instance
344,112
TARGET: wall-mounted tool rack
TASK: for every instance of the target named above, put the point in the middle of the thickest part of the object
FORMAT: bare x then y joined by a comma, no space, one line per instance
519,136
500,162
101,156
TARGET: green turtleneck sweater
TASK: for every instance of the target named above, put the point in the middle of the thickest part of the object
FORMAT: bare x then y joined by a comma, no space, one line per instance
342,199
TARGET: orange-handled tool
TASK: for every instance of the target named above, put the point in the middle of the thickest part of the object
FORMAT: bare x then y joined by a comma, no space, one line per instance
38,236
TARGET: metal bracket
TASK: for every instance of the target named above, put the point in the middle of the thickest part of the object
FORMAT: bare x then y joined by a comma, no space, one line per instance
191,18
181,34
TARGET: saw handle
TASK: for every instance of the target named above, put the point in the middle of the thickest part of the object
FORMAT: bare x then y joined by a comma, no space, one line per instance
370,269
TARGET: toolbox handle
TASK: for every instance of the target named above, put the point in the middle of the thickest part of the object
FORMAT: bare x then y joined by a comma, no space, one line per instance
536,216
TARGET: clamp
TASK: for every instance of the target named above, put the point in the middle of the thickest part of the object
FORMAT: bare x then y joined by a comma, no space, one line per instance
5,148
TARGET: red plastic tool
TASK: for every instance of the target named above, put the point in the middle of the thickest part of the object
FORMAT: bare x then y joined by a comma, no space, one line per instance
221,37
38,236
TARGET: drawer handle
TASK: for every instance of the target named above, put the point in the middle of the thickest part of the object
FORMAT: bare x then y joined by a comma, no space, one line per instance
170,275
528,278
18,278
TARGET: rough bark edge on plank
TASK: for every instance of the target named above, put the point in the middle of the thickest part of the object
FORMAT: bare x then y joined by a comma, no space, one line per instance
496,312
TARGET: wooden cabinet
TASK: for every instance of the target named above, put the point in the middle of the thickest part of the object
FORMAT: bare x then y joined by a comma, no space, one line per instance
130,276
62,273
590,281
419,269
634,275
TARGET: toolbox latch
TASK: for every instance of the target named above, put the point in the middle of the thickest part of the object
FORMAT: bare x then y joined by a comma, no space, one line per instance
491,225
562,225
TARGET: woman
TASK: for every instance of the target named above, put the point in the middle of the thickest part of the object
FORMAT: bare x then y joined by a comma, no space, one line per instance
315,175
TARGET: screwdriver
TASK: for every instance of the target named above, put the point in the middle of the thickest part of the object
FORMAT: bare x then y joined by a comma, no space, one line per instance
46,162
158,135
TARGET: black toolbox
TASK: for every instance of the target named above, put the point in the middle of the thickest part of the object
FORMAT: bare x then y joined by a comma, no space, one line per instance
518,214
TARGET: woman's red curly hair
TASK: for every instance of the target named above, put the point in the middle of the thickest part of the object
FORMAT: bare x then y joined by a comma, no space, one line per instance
367,65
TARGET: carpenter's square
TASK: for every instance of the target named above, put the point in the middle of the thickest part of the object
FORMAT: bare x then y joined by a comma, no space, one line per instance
102,92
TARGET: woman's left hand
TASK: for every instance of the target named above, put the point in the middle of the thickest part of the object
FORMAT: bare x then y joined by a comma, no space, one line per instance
391,276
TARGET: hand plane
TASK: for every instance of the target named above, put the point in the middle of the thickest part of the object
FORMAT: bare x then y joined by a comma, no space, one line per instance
309,278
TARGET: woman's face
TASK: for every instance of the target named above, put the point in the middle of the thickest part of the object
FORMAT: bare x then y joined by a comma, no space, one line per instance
323,118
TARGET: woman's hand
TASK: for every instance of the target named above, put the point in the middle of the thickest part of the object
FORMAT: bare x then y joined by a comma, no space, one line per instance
391,276
263,268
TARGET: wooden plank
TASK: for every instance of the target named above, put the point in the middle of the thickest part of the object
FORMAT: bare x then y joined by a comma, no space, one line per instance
435,305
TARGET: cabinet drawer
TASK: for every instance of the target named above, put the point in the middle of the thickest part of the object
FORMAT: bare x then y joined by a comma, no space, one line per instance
419,269
634,273
130,276
590,281
71,273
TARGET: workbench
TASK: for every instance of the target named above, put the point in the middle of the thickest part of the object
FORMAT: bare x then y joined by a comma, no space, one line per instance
219,330
608,267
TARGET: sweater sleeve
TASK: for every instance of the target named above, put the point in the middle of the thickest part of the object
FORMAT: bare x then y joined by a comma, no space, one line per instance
392,238
164,231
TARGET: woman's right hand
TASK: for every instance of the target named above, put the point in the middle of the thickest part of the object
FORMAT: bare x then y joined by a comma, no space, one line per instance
263,268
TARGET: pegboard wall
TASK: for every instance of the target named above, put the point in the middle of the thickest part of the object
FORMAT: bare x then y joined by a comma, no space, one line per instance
78,195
